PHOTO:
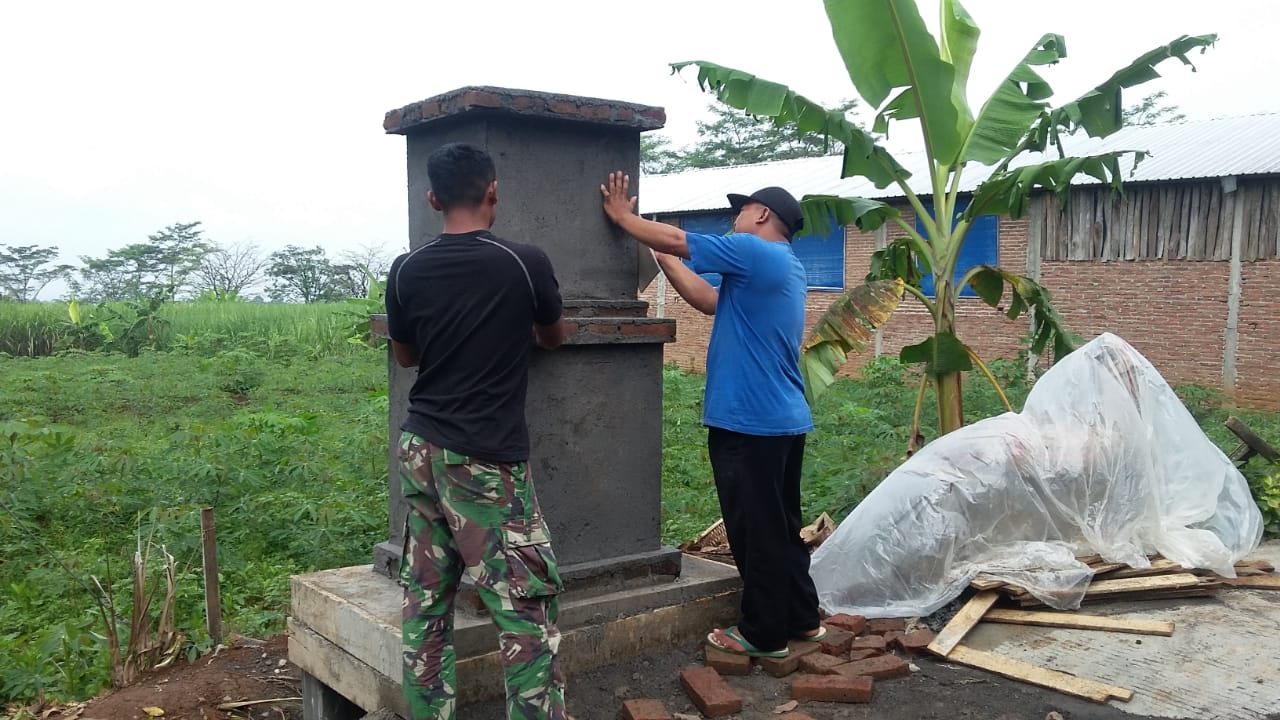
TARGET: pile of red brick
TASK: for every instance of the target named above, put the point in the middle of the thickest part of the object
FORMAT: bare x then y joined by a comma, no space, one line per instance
843,668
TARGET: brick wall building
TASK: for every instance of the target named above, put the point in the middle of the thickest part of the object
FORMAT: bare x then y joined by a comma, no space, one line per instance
1185,265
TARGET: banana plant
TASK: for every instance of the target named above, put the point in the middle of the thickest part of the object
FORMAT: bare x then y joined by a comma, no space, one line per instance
905,73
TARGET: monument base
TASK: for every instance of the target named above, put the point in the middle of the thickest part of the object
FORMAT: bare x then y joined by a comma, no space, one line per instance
584,578
344,633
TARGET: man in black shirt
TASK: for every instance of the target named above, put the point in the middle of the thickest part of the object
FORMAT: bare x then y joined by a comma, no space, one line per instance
460,309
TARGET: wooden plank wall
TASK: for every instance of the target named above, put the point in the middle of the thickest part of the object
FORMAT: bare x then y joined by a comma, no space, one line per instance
1167,221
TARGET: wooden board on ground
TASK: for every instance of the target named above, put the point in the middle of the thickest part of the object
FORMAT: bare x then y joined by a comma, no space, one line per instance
1258,564
1259,582
1077,621
1044,677
1196,592
1177,581
1159,566
960,625
980,584
1122,586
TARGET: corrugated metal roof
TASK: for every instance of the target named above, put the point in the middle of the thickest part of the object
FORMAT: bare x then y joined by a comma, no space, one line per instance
1221,147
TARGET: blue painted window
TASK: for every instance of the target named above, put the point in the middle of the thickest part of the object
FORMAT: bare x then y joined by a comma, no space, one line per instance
822,257
981,247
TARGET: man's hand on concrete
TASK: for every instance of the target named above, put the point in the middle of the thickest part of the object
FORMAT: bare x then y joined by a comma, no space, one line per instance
616,203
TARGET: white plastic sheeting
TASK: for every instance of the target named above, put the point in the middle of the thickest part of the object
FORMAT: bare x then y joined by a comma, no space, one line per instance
1103,459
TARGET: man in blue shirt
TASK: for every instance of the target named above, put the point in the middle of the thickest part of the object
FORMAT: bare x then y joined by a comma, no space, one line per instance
754,407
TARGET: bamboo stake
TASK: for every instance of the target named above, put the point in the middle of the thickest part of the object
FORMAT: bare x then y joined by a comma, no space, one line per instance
212,591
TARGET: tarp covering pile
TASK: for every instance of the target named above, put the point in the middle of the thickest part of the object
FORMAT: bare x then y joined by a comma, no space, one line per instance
1104,458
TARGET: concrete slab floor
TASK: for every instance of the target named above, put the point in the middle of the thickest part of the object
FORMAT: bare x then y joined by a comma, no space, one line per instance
1222,661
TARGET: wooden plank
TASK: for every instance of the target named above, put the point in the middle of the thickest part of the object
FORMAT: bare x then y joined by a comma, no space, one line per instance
1259,582
960,625
1213,207
1226,225
1158,567
1164,221
1177,581
1044,677
981,585
1197,592
1267,223
1256,564
1195,219
1182,220
1076,621
1106,243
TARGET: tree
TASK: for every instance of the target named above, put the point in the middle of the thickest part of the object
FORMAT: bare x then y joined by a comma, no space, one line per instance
25,270
359,267
902,71
300,275
1152,110
228,271
732,138
658,157
160,267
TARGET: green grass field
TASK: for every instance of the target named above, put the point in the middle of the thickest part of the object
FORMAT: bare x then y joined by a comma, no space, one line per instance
270,416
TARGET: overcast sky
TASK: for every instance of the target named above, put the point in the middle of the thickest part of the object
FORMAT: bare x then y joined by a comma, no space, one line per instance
263,119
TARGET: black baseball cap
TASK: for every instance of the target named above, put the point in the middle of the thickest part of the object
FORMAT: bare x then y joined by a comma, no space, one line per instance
782,203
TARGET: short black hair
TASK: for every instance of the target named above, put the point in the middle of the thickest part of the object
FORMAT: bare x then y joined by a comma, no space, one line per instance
459,175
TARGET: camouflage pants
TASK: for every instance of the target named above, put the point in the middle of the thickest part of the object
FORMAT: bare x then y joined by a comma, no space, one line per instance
482,518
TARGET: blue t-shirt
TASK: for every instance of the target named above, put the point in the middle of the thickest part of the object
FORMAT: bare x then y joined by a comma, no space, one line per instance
753,361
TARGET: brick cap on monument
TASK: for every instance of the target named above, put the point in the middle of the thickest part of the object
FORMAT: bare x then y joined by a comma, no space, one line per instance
527,103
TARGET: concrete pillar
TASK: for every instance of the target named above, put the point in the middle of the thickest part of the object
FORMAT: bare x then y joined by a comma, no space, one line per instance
595,405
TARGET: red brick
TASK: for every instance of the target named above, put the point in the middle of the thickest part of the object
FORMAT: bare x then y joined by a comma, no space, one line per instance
625,114
853,623
727,663
782,667
869,642
595,112
880,626
522,102
880,668
836,642
832,688
643,710
864,654
916,641
649,329
392,120
480,98
709,692
563,107
892,638
654,114
820,663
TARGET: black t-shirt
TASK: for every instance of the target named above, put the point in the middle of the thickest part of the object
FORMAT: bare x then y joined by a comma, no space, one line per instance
467,303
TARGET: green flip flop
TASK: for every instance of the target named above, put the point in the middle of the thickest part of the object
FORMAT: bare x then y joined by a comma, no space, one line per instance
747,648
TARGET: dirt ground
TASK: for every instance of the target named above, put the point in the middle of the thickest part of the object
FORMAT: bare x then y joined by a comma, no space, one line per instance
253,672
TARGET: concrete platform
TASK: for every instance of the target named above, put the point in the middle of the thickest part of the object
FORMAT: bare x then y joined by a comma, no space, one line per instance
344,630
1222,661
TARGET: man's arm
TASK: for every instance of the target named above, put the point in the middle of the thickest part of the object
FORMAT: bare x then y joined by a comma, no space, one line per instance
404,352
406,356
550,337
688,284
621,210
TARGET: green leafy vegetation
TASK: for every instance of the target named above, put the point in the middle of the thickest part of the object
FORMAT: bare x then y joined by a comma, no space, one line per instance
270,415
